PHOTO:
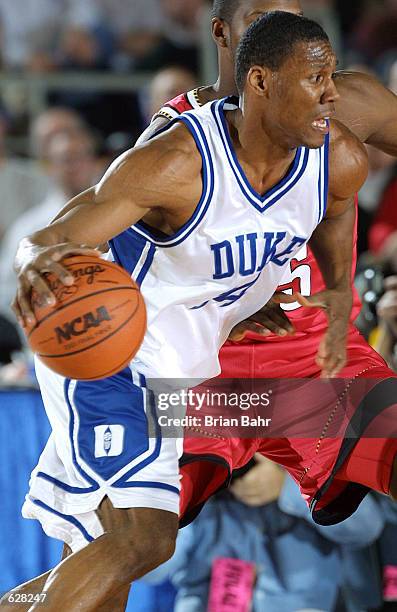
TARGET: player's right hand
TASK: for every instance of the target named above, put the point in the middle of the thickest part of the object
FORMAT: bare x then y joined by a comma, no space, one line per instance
271,319
31,263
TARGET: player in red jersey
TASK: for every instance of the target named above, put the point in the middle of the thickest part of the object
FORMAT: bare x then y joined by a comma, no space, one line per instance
344,469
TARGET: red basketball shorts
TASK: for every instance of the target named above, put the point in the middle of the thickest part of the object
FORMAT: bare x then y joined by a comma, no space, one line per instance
337,444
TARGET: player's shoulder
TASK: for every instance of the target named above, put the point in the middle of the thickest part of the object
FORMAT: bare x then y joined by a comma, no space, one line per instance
364,103
357,89
352,81
348,161
183,102
175,152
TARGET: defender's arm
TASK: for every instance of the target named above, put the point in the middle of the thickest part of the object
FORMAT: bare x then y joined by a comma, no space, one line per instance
368,109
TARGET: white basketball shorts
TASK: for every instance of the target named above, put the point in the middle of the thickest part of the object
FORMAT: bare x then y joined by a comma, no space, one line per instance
105,441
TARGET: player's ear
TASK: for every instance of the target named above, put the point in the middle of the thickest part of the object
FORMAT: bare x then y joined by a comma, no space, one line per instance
220,32
259,79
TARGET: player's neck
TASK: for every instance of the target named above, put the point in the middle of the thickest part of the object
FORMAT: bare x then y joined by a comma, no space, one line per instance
264,160
224,85
257,143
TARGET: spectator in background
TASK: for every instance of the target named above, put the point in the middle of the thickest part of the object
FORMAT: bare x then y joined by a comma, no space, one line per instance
376,32
49,123
376,200
182,32
23,184
137,27
324,12
10,341
387,315
393,77
33,29
154,33
383,232
167,84
71,163
297,563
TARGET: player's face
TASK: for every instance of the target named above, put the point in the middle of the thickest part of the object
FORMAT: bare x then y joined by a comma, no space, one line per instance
249,10
302,95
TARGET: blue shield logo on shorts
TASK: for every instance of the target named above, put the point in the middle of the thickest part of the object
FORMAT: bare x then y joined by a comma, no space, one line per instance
109,440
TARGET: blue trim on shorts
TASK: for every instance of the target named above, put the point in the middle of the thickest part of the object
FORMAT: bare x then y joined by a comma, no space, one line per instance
66,487
121,483
62,485
145,484
68,517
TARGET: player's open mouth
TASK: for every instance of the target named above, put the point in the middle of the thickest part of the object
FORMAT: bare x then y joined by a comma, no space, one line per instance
321,125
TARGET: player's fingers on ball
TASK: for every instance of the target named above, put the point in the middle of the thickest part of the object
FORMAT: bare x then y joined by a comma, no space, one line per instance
40,286
84,249
17,311
61,272
25,307
88,250
68,249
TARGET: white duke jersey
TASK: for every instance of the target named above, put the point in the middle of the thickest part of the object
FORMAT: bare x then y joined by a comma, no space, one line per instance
226,262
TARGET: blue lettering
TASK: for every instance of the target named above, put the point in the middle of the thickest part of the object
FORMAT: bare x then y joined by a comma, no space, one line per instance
223,252
233,295
271,243
241,240
288,251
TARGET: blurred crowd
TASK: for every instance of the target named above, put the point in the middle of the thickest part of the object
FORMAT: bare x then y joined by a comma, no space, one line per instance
66,149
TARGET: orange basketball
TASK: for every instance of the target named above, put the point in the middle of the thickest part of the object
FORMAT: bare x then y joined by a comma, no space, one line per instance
97,324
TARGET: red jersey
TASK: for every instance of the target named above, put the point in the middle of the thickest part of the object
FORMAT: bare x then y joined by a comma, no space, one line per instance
304,274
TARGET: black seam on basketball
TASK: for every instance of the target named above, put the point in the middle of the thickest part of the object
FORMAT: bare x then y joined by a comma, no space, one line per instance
91,345
83,297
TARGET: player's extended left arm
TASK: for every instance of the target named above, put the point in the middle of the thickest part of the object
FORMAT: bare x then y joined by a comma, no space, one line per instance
332,245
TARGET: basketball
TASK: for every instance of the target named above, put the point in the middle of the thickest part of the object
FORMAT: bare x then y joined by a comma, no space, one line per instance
97,324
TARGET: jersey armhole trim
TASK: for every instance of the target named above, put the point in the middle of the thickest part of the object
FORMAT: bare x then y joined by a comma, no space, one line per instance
208,175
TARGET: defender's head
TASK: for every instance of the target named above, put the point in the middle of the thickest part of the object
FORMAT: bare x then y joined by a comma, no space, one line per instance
231,18
284,69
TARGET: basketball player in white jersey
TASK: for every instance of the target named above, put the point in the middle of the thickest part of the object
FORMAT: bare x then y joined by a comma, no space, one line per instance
228,195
